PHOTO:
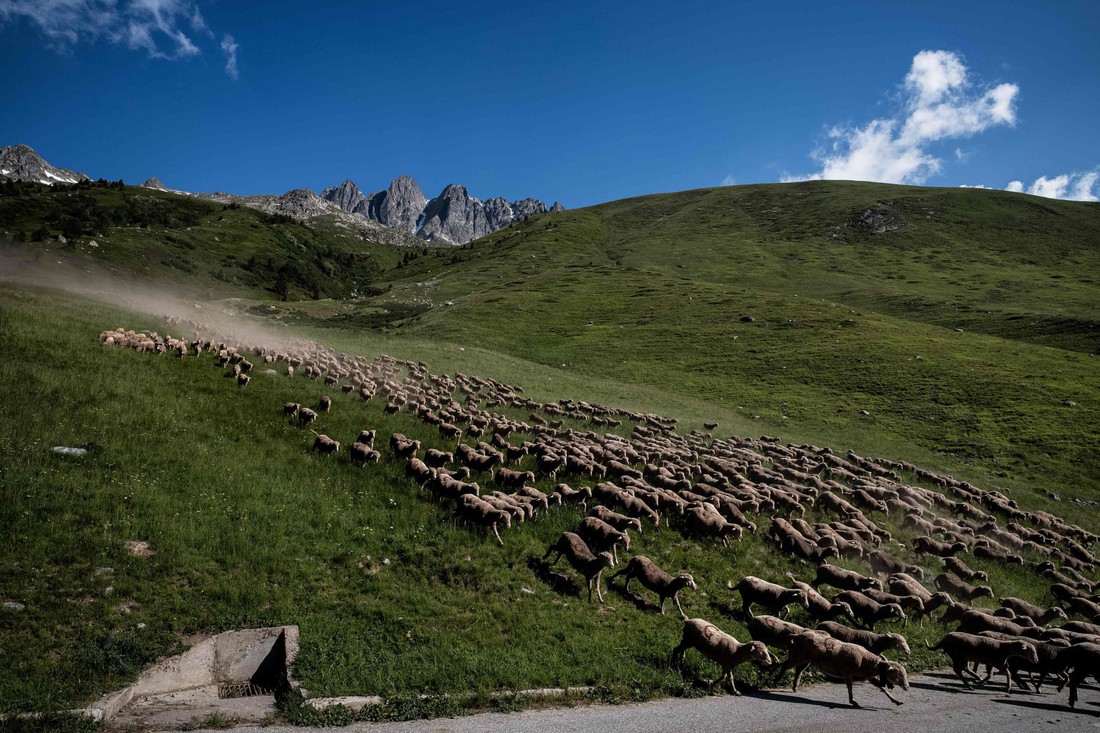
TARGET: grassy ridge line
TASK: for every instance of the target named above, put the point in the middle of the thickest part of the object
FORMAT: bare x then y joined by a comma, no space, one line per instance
248,530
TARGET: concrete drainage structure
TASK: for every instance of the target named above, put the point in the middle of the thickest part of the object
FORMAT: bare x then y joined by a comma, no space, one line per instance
234,674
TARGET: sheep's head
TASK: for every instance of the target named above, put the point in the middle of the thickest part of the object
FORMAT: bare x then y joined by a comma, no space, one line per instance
898,642
758,652
896,611
798,596
917,572
687,581
1058,612
1025,650
871,583
943,598
983,590
606,559
842,609
892,673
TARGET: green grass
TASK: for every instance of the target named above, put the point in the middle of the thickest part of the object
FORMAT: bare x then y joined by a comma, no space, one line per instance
636,304
249,530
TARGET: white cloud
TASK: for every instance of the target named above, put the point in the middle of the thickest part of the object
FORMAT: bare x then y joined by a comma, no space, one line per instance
729,180
1071,186
229,46
163,29
939,103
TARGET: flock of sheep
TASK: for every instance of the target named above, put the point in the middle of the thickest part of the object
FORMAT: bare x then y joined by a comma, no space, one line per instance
722,488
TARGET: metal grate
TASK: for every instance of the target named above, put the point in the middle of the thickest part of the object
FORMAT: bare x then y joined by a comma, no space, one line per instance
228,690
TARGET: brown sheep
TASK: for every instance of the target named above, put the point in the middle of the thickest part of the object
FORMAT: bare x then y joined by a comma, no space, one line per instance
925,545
655,579
959,588
773,631
360,454
961,569
966,648
602,537
869,612
709,522
877,643
437,458
574,549
324,445
620,522
718,646
514,479
324,404
1083,660
1041,616
306,416
771,596
366,437
820,607
479,511
849,662
242,380
1047,652
884,563
845,579
568,495
290,409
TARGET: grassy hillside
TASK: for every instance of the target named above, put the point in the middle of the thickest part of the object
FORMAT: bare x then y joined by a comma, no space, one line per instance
638,304
966,330
211,248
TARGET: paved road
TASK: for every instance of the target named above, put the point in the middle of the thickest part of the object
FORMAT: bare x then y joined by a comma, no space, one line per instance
934,703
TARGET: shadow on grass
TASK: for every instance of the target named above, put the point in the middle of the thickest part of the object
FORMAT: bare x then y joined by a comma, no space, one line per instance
556,580
629,595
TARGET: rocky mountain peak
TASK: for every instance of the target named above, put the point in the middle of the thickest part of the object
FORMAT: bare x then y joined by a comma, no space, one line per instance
556,207
399,206
23,163
154,183
347,196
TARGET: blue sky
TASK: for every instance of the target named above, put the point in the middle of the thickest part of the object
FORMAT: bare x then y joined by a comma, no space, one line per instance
578,102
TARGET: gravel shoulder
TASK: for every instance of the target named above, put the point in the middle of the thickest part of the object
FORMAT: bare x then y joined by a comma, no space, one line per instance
935,702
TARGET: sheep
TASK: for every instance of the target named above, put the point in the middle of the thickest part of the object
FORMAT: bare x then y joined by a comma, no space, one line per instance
1081,627
573,548
243,380
360,454
773,631
306,416
844,579
290,409
965,648
885,563
976,620
961,569
569,495
479,511
324,445
959,588
620,522
710,522
842,660
869,612
437,458
403,448
818,606
449,431
877,643
1041,616
720,647
925,545
514,479
1083,660
366,437
601,536
771,596
324,404
1047,652
656,580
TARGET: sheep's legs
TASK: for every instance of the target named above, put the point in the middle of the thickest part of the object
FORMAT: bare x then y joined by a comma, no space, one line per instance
676,600
851,698
959,667
728,676
887,693
497,534
798,675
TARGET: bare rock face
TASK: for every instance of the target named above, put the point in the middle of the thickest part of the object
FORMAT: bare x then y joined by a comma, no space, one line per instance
556,207
454,216
155,184
347,196
399,206
22,163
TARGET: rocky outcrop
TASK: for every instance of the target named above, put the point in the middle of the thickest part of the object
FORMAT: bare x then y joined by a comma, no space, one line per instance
556,207
155,184
305,205
399,206
22,163
347,196
452,217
